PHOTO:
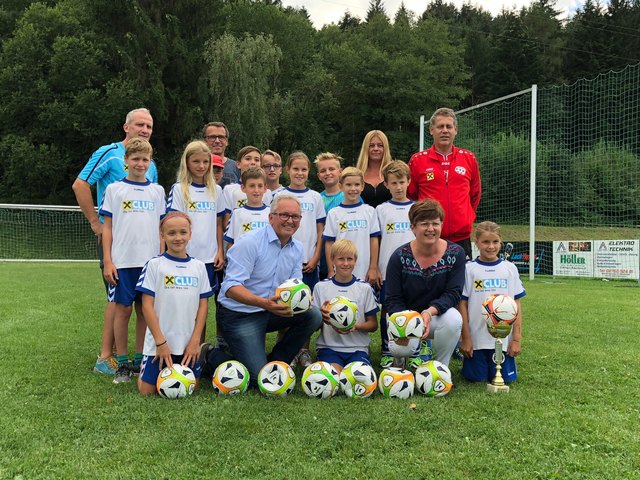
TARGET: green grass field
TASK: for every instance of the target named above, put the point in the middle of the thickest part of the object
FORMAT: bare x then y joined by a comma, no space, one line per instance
574,413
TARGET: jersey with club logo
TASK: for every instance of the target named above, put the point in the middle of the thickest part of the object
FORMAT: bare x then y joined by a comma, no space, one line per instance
135,209
244,220
204,211
394,230
177,285
481,280
357,223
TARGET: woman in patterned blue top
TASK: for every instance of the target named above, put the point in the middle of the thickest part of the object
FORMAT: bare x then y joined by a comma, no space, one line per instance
427,275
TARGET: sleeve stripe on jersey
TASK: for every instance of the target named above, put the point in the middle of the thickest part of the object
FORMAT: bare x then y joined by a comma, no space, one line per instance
98,162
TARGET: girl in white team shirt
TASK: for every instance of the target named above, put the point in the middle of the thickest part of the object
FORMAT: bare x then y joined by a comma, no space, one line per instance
486,275
197,194
175,288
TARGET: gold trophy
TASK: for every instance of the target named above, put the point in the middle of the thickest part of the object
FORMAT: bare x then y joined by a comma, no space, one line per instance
498,332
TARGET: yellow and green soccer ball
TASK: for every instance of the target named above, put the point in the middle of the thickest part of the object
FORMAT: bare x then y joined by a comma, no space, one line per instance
320,380
230,378
343,313
433,379
396,383
176,381
358,380
276,379
296,294
405,324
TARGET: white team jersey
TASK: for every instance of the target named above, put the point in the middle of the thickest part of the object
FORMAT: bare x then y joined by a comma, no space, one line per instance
177,285
357,223
245,219
135,210
204,211
312,208
481,280
395,230
234,197
358,292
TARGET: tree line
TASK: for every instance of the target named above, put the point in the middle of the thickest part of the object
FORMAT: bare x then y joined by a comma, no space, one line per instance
71,69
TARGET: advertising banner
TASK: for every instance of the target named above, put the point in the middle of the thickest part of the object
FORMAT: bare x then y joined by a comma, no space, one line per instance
573,258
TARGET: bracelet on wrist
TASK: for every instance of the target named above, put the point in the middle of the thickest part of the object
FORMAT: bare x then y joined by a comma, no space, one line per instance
428,313
160,344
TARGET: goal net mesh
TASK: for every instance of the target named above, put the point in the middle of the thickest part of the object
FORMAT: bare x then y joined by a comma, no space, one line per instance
45,232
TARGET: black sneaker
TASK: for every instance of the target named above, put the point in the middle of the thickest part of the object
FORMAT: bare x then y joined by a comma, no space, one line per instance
123,374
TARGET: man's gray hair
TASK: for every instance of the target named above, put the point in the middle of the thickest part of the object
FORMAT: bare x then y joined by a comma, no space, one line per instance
276,201
127,120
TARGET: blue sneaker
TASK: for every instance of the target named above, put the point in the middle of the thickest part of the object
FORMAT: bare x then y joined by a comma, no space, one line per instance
106,366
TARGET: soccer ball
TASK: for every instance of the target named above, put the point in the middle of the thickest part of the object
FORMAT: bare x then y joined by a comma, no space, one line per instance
230,378
404,351
358,380
176,381
295,294
396,383
433,379
405,324
320,380
276,379
499,312
342,313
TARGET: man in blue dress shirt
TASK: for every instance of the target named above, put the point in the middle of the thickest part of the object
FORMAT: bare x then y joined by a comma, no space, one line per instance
256,265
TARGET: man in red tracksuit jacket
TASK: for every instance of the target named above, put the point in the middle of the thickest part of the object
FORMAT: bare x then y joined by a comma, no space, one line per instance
449,175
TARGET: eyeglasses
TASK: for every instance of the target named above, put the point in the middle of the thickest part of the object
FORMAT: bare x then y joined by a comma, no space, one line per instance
271,166
429,224
215,137
286,216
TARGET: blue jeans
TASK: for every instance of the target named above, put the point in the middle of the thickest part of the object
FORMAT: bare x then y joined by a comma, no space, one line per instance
245,334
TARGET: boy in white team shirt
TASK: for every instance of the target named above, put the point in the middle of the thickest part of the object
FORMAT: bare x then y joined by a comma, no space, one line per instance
357,222
232,195
252,215
132,209
395,231
342,348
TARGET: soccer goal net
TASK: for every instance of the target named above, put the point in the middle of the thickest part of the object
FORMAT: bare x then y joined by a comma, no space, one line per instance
45,232
585,167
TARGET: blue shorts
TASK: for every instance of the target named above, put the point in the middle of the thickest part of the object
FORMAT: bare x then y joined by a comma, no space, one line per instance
342,358
124,291
310,279
480,367
213,277
149,370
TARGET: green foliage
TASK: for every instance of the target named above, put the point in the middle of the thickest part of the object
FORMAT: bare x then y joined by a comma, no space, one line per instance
570,415
242,75
71,69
